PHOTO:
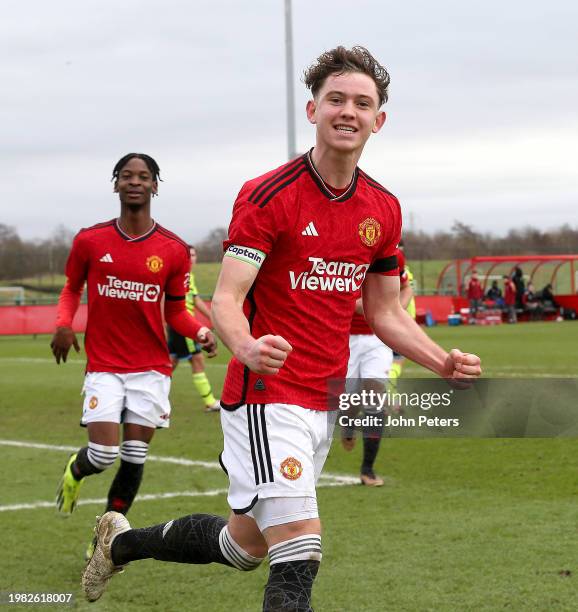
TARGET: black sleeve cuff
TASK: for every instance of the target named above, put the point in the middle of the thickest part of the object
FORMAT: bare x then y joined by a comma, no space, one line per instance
387,264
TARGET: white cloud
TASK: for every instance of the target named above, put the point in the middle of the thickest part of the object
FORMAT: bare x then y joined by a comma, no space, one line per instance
482,120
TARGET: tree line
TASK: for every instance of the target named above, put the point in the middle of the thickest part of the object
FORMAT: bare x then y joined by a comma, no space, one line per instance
463,242
21,258
27,258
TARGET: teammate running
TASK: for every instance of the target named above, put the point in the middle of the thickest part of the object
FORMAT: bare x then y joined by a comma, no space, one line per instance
128,264
181,348
303,240
370,364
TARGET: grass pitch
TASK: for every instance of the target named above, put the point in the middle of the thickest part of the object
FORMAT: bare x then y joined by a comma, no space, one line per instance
460,525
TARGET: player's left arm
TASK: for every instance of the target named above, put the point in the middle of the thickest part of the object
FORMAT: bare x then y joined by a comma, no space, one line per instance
183,322
396,328
176,314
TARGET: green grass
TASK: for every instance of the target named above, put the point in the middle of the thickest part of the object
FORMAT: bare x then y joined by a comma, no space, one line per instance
462,524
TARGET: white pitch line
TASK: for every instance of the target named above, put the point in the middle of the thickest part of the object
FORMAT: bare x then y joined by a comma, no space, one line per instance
504,373
514,371
326,480
36,360
100,502
339,481
211,465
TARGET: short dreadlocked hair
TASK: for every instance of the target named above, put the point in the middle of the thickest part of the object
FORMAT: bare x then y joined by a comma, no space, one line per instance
147,159
341,60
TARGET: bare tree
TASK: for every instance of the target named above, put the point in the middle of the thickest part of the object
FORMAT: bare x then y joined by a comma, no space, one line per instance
211,247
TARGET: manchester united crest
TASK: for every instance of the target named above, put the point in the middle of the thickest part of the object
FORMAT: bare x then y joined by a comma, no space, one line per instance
93,402
154,263
369,231
291,468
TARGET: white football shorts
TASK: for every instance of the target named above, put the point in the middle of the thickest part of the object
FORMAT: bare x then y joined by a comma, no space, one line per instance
369,357
140,397
273,450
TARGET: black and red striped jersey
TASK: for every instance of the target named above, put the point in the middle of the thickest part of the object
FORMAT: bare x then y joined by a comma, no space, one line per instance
126,279
314,249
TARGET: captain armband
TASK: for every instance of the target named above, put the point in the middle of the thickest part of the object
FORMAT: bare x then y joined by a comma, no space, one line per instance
246,254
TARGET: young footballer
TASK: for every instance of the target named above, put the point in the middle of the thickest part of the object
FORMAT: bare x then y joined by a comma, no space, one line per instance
303,241
128,265
370,364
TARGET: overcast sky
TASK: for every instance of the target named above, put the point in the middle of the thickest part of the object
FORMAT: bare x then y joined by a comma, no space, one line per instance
482,122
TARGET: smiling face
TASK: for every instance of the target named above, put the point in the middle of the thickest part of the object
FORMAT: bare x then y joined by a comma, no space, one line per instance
135,184
346,112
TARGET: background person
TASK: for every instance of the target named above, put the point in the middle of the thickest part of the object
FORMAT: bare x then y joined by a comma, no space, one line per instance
377,364
475,294
510,299
494,294
181,348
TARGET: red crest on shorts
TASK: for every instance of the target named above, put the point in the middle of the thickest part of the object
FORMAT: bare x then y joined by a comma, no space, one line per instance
369,231
93,402
291,468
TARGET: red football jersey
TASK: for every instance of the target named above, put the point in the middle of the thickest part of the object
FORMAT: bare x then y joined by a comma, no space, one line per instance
359,325
127,278
314,249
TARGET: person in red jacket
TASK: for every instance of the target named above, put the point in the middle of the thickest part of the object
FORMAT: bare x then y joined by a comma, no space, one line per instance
475,294
510,299
129,265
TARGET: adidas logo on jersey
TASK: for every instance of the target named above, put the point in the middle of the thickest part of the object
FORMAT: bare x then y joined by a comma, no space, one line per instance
310,230
106,258
259,385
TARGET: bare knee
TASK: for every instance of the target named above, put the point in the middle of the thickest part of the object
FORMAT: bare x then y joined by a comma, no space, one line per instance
244,531
288,531
134,431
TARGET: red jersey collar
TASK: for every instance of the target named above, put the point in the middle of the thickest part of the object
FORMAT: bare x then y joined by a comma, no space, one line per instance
324,188
128,238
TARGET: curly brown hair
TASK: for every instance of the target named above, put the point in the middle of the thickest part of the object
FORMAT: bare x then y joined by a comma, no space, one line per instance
341,60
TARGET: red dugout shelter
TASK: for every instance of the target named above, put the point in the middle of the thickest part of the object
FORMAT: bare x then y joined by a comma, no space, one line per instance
560,271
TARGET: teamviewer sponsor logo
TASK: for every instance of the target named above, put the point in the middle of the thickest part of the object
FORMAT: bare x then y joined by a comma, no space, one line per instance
129,290
340,276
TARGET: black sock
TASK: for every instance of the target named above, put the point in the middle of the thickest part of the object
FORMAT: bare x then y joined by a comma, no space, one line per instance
82,466
190,539
370,449
125,486
289,586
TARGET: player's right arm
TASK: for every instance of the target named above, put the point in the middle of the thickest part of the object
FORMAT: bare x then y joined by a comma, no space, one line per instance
264,355
68,302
